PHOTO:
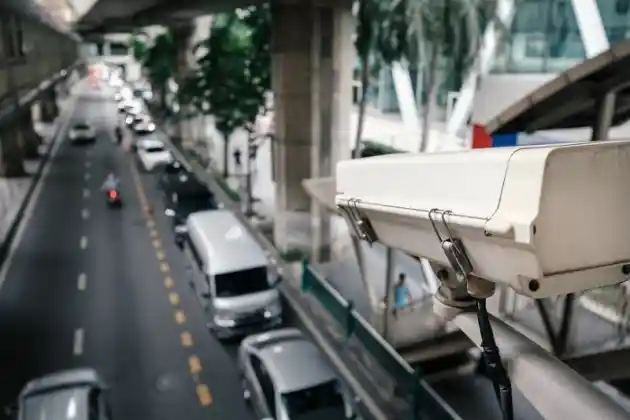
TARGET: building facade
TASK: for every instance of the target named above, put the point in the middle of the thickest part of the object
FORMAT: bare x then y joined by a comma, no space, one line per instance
537,40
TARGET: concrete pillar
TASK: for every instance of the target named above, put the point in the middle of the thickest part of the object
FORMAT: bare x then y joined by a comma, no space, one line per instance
312,63
49,108
11,152
30,139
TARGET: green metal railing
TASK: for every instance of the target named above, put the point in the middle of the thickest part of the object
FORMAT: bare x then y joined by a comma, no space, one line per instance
422,398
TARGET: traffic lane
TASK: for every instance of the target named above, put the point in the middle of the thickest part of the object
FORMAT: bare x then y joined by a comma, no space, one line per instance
129,331
219,372
37,305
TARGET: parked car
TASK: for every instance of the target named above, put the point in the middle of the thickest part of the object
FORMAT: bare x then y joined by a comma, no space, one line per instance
232,274
183,196
143,125
152,153
284,376
77,394
81,133
170,173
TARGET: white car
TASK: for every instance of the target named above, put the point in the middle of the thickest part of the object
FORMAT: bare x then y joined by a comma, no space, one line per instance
143,126
152,153
82,133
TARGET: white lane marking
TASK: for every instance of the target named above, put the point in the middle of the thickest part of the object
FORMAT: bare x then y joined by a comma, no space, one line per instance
86,193
28,213
85,214
82,282
88,164
87,176
77,346
83,242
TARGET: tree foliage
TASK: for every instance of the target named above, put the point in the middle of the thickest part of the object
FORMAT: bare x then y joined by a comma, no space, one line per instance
233,76
158,58
382,35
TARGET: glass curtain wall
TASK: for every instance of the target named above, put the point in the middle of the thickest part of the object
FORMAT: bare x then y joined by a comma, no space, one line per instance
616,18
544,38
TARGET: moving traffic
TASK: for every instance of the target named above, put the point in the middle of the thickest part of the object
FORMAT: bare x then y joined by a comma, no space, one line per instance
129,290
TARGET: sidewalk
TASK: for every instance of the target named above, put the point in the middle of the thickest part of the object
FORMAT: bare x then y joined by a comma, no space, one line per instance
15,191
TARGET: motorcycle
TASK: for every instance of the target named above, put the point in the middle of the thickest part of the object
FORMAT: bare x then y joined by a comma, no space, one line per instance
113,198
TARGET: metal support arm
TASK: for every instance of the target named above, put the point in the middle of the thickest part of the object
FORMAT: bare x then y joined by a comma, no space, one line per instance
554,389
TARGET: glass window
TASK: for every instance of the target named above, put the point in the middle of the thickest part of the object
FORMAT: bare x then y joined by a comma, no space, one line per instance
241,282
327,396
116,48
155,149
544,38
616,18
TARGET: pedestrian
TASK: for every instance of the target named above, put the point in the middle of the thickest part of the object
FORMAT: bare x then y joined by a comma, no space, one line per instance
237,158
402,296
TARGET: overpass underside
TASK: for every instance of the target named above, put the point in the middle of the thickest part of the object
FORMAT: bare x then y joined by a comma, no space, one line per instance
35,54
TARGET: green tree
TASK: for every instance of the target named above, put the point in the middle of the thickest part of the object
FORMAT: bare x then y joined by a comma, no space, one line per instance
233,76
160,63
450,29
382,33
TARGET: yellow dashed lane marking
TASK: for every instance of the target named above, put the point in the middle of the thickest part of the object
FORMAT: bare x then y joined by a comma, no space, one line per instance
157,244
153,233
150,224
194,364
173,298
164,268
187,340
168,282
160,255
180,317
205,398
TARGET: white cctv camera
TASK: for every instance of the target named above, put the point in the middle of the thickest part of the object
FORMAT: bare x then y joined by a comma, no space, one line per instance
545,220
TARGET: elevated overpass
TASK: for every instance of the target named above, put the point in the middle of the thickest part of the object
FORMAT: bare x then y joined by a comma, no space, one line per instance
37,51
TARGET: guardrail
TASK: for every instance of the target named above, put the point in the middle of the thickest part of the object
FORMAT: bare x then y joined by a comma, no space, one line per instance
419,394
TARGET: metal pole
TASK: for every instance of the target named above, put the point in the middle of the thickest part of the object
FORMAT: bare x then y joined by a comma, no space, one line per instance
605,116
554,389
389,276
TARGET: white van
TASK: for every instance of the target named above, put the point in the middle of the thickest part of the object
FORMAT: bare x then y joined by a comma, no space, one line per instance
233,273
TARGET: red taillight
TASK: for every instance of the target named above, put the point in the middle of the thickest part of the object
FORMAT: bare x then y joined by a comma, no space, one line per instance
113,194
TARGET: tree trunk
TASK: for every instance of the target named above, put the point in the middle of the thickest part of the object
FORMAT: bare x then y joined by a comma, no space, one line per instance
428,107
249,203
365,80
226,154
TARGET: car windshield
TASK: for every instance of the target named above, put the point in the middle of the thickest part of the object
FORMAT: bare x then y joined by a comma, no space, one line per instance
155,149
326,397
241,282
81,127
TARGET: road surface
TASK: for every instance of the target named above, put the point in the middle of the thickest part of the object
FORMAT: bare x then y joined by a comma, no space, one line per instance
91,286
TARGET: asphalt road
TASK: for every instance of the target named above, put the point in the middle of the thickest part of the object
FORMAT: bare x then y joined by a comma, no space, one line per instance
91,286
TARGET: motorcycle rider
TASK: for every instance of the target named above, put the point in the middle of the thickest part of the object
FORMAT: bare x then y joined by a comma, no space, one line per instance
111,183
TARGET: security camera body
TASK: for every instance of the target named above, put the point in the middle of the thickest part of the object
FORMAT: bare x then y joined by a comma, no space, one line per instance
545,220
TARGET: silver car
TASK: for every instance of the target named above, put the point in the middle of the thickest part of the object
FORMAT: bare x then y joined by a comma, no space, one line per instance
73,394
285,377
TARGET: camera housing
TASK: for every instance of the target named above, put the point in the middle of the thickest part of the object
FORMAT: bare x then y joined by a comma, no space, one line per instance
545,220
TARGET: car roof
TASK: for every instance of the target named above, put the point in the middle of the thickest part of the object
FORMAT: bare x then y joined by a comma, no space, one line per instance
61,380
71,403
220,237
292,360
149,143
